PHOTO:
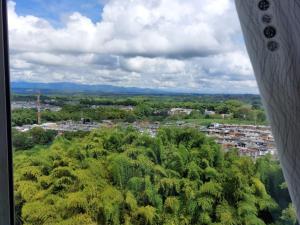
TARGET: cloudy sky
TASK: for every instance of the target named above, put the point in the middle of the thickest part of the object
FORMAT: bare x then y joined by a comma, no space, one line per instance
183,45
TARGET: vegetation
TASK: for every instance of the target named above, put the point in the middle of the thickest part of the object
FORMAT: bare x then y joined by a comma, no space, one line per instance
23,116
35,136
119,176
247,109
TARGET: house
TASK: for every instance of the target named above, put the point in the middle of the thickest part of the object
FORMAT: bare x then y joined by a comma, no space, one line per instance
179,111
215,125
209,113
127,108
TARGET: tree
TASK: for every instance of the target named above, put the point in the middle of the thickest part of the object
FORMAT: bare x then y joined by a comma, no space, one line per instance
244,113
289,216
120,176
41,136
21,140
261,116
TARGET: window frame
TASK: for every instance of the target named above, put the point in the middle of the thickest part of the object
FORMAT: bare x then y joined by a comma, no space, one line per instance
6,164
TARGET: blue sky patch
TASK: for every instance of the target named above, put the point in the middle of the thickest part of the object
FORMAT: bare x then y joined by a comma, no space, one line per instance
55,10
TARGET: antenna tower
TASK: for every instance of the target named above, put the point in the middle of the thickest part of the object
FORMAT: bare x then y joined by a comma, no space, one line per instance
38,107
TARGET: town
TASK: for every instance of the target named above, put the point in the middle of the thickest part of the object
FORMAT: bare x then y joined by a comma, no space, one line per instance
250,140
192,138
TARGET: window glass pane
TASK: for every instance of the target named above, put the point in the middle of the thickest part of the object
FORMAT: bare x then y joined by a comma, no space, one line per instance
139,112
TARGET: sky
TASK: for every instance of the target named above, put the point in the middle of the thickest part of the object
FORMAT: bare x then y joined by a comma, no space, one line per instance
180,45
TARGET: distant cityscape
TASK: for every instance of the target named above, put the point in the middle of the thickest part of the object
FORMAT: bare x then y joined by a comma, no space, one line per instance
250,140
33,105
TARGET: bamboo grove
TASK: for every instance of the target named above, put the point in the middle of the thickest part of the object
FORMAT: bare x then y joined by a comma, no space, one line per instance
120,176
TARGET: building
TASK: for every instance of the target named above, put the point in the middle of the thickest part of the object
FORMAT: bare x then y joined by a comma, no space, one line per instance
71,126
179,111
33,105
209,113
250,140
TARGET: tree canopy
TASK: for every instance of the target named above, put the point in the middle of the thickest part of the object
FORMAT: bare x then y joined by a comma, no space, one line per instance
120,176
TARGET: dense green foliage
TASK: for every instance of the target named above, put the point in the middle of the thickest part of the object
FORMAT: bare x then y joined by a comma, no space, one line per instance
117,176
153,108
23,116
35,136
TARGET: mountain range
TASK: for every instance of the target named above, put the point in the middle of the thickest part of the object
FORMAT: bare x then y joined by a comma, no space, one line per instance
68,87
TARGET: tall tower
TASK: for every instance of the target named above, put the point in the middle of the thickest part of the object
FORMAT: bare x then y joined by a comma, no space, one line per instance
38,107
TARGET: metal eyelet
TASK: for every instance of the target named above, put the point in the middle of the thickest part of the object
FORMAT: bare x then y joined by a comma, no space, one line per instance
273,46
264,5
266,19
270,32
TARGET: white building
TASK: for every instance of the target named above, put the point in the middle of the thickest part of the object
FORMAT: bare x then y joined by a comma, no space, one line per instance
209,113
178,111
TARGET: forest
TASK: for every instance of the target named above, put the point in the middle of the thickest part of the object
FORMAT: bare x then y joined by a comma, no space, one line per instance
117,176
239,109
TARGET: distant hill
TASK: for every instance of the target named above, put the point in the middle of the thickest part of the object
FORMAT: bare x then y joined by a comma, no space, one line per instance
66,87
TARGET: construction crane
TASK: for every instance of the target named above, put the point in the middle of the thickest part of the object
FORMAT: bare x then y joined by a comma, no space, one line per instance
38,107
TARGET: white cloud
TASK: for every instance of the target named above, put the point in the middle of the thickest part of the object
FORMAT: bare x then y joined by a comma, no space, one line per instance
153,65
235,64
148,43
